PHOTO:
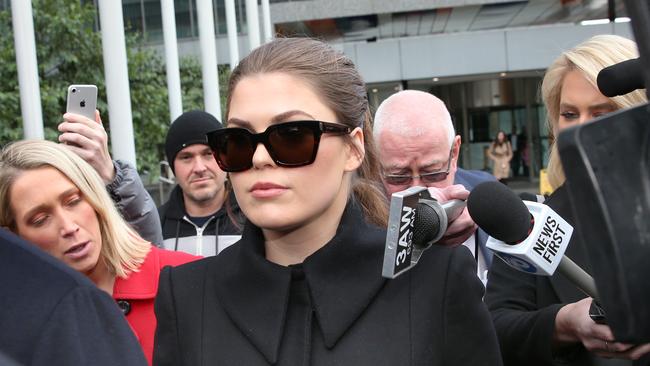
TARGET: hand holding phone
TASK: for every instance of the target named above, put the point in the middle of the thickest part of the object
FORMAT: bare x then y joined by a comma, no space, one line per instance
83,133
82,99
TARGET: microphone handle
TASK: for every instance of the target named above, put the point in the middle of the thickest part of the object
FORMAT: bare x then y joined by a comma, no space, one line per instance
453,208
578,276
445,212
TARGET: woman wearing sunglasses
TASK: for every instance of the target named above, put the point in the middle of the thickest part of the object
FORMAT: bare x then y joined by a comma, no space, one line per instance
304,285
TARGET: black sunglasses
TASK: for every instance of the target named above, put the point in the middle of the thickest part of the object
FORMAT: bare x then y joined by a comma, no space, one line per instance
290,144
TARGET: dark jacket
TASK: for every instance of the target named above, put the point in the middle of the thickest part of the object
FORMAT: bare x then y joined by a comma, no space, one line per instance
179,233
333,309
134,202
524,306
52,315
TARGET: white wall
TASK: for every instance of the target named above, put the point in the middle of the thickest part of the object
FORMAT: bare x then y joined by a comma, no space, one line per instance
452,54
445,55
294,11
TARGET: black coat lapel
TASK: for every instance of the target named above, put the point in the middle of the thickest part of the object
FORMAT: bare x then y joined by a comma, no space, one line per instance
255,292
343,277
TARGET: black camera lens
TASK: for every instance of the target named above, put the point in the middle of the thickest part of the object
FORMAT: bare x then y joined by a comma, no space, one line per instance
74,90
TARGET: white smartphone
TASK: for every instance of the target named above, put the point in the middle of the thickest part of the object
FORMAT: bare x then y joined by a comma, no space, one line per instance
82,99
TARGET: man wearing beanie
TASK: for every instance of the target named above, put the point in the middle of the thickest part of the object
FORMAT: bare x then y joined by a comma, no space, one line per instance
201,217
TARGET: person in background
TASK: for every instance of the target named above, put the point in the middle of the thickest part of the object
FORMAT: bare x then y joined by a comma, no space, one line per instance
53,316
304,285
200,217
89,140
72,218
418,146
545,320
500,152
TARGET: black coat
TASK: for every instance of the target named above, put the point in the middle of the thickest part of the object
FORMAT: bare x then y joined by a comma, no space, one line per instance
524,306
52,315
335,309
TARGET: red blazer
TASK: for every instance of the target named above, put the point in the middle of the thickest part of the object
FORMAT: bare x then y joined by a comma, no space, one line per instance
135,295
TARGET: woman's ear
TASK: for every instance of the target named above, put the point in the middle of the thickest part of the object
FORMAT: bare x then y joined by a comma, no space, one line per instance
356,151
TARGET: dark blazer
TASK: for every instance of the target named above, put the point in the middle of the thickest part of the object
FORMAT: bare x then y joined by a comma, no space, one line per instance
524,306
52,315
470,179
334,309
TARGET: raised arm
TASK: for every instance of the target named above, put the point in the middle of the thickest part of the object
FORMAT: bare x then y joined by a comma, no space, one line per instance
89,140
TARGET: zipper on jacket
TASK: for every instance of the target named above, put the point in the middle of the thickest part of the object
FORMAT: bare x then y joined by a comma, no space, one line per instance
199,234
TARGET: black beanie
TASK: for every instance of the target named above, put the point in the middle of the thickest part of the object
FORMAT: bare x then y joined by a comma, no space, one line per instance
188,129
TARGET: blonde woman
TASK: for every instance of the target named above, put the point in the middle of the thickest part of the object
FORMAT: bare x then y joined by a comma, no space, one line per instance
54,199
545,320
582,100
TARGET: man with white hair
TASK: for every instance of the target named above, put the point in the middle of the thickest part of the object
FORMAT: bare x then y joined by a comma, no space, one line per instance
418,146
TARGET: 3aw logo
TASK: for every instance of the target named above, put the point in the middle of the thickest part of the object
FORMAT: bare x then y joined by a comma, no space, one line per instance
518,263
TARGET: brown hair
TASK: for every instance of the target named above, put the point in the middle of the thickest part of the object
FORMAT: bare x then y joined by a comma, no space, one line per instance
336,80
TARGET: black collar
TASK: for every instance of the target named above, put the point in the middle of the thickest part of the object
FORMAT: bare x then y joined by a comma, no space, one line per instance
343,277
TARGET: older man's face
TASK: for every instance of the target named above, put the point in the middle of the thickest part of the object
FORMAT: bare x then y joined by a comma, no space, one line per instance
425,160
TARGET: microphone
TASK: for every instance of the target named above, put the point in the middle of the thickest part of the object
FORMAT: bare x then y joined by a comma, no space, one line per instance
528,236
621,78
415,222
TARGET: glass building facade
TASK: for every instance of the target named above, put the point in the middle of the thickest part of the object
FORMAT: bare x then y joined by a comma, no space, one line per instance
482,105
144,17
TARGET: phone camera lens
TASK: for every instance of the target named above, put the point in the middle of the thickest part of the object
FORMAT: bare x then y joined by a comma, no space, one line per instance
74,90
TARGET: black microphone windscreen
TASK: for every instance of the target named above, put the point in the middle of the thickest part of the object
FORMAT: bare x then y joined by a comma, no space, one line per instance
426,226
499,212
621,78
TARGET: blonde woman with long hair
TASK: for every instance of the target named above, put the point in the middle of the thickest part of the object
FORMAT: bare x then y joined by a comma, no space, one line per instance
545,320
54,199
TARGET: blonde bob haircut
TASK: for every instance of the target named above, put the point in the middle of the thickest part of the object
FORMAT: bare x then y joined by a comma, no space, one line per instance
589,57
123,250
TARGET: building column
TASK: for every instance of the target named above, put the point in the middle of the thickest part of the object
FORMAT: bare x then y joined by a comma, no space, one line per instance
253,20
211,98
27,67
171,59
266,21
116,75
231,24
